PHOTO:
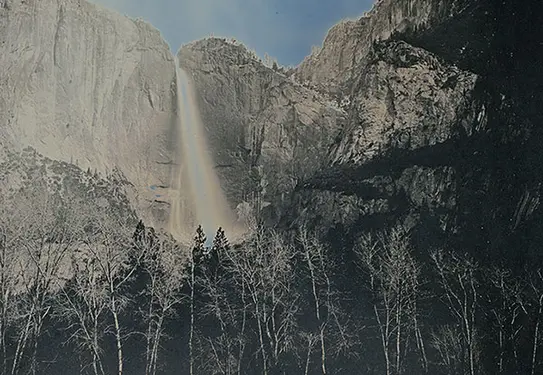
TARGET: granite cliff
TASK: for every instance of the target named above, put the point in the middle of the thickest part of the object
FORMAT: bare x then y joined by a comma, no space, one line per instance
433,122
349,43
84,85
419,123
443,131
267,131
420,111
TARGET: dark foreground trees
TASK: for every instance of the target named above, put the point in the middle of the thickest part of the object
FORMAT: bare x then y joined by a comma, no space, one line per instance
91,291
393,279
38,234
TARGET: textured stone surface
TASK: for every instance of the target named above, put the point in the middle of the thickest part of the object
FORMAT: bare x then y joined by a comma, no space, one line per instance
404,105
29,172
257,117
348,43
426,112
444,126
405,98
83,84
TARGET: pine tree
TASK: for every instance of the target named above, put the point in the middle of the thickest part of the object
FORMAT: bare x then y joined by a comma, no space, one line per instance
197,254
139,233
145,244
220,246
199,248
220,242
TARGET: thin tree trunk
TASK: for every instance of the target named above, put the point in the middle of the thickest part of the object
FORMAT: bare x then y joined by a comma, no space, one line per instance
37,332
191,333
34,361
398,335
3,326
118,337
501,324
536,336
96,360
384,339
3,345
156,344
21,345
472,325
420,345
500,339
3,303
148,349
317,311
94,364
308,358
261,338
242,333
323,351
512,338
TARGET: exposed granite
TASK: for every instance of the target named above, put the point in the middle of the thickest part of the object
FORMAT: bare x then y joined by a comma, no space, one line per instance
349,43
261,124
86,85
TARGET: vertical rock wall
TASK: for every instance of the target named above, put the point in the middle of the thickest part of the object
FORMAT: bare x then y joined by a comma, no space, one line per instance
83,84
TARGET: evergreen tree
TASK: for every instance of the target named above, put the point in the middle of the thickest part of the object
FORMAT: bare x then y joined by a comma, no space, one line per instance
220,242
199,248
145,241
197,253
139,232
220,246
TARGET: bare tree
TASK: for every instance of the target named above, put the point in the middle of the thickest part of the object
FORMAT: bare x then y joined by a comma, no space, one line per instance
460,286
311,340
49,232
223,303
220,306
446,340
506,308
534,310
332,334
196,255
83,303
9,276
109,242
236,297
394,283
263,276
163,265
271,288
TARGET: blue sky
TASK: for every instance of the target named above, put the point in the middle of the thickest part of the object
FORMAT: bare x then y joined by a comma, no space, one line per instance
285,29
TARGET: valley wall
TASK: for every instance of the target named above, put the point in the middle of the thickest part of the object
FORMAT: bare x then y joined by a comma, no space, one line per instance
267,131
84,85
424,113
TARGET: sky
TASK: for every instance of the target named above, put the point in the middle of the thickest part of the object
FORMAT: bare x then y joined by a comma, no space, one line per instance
284,29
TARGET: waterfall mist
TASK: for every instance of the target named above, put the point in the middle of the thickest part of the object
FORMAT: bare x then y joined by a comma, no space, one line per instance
196,196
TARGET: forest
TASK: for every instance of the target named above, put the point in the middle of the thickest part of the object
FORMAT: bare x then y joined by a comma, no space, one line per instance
86,289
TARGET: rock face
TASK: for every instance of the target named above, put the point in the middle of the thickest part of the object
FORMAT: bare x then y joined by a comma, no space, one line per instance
422,112
443,131
434,124
403,104
405,98
267,131
28,172
85,85
349,43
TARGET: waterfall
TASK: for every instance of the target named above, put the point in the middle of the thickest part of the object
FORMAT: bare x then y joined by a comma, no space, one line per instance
196,196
